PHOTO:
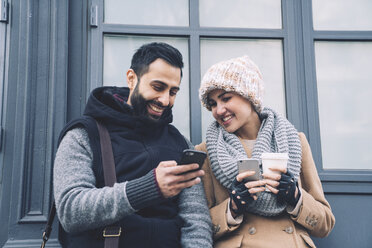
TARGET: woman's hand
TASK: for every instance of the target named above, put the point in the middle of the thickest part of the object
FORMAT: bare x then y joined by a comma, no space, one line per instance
253,186
243,193
283,184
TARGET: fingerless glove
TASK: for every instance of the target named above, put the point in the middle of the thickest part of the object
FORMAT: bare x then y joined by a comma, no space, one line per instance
240,195
287,189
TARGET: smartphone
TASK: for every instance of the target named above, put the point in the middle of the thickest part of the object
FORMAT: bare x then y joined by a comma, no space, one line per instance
250,164
190,156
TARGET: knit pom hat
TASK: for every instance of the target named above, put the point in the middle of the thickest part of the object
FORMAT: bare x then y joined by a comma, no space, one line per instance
240,75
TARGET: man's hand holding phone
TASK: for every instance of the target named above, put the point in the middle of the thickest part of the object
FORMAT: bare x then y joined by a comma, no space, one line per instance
190,156
173,177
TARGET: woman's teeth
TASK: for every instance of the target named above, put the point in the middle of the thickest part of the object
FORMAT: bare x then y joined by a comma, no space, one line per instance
226,118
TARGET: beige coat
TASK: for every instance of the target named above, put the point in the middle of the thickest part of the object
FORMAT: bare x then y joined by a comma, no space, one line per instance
315,216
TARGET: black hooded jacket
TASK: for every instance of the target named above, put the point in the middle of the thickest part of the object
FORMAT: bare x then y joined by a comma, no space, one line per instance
138,147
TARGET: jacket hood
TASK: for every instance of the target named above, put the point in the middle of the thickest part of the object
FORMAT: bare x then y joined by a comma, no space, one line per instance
109,104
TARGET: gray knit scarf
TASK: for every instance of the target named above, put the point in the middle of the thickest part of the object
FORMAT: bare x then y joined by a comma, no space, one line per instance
276,134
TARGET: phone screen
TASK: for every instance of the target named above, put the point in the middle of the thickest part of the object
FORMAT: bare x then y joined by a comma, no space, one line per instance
190,156
252,165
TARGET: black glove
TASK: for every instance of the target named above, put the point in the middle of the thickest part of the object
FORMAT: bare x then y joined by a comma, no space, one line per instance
287,189
240,195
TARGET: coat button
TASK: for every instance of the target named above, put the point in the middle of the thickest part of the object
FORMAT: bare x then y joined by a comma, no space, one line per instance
289,230
252,230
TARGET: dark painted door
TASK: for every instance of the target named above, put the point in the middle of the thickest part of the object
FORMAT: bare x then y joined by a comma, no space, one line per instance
33,112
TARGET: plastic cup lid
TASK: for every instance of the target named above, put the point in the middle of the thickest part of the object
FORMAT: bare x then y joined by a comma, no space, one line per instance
269,155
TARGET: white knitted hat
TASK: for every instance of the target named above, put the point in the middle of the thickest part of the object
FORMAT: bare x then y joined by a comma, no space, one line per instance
240,75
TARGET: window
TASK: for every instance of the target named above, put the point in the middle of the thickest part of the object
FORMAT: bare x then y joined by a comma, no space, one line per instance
203,39
338,85
208,31
345,126
342,15
159,12
240,13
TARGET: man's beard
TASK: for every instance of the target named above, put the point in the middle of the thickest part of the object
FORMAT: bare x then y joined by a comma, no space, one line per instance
139,105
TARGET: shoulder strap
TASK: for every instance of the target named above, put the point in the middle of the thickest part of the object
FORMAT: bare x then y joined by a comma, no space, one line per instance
48,226
108,161
110,233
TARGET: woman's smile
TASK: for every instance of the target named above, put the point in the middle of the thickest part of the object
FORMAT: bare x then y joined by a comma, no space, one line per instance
227,120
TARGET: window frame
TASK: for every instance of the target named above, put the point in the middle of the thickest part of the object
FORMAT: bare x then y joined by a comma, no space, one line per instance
297,36
194,33
3,56
329,176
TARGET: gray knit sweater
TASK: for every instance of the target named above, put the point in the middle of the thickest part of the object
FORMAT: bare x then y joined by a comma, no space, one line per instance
81,206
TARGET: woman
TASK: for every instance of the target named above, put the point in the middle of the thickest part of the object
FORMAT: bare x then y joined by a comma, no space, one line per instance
280,210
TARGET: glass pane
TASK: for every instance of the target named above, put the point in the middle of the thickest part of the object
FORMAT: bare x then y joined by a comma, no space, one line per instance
159,12
344,81
241,13
342,14
118,52
267,54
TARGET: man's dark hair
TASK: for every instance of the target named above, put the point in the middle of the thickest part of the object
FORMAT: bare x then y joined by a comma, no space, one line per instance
148,53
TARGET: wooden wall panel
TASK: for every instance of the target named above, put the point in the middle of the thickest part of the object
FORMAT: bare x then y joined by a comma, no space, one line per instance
35,114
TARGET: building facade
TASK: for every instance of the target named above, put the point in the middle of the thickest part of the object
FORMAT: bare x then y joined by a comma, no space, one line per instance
315,57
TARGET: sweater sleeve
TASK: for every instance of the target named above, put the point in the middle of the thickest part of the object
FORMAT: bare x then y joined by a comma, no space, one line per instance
80,205
197,229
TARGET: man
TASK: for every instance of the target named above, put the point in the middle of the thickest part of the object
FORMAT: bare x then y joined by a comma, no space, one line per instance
156,202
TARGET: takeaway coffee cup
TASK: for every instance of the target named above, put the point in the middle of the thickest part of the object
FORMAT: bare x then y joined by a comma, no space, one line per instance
273,160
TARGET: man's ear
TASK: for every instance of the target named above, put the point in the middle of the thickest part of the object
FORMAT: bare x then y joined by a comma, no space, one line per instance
131,79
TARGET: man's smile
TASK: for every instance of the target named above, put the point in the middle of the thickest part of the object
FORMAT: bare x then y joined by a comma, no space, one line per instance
155,109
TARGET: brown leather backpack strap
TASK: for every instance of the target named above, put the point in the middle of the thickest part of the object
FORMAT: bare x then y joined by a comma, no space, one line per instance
48,226
110,233
108,162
